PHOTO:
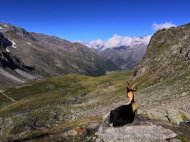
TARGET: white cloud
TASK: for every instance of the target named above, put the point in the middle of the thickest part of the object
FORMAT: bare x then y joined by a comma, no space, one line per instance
96,44
118,40
114,41
166,25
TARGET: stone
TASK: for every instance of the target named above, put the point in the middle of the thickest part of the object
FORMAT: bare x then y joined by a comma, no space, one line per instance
141,130
175,140
184,94
153,114
136,134
177,116
81,131
92,126
70,133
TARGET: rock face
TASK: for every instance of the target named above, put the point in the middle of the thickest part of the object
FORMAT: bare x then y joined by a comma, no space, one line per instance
168,55
138,131
164,73
39,56
4,42
10,65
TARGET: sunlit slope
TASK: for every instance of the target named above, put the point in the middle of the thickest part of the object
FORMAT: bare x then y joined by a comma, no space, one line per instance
59,100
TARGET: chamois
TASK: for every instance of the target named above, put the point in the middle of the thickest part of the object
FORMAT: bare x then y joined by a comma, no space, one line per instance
126,113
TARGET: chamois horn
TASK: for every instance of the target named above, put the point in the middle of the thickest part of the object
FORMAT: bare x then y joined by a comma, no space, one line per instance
134,86
128,85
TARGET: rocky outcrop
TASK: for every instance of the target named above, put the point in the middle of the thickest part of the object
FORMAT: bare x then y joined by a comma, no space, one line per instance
163,74
140,130
168,55
163,78
173,116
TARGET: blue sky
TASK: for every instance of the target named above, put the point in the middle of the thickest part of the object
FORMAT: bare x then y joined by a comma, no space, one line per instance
93,19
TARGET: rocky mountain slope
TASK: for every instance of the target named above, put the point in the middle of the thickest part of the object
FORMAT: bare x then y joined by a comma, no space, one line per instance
11,65
168,55
28,56
163,76
125,51
125,56
164,94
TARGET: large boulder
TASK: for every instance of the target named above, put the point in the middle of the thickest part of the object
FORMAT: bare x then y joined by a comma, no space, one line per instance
140,130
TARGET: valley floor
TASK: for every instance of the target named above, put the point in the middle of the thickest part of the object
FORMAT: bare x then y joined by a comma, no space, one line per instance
60,103
70,107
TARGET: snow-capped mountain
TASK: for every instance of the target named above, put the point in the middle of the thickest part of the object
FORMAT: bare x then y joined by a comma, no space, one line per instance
124,51
117,41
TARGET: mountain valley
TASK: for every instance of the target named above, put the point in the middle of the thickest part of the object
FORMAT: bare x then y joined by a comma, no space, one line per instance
29,56
62,91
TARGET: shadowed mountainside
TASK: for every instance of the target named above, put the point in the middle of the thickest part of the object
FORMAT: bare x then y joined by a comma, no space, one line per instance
124,56
35,56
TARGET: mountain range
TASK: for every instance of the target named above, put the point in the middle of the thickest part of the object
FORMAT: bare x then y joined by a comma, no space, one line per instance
126,52
28,56
70,107
125,57
117,41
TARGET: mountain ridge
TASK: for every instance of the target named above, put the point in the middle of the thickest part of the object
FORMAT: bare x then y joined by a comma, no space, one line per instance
163,75
49,55
168,50
125,57
117,41
71,107
126,52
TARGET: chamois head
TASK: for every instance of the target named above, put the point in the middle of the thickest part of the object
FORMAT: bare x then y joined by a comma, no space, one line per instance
130,91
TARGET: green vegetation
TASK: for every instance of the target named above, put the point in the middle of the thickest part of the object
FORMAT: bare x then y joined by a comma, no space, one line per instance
59,102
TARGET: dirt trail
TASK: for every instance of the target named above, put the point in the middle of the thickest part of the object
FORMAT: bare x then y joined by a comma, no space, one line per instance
1,91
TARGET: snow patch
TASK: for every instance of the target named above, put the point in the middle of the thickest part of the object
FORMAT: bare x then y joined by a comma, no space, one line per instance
7,50
5,25
19,34
13,44
28,43
1,28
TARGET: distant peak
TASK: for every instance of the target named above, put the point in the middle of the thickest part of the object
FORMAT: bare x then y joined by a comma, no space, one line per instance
118,41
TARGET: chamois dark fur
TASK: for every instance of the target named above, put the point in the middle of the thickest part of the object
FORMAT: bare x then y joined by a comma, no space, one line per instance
126,113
